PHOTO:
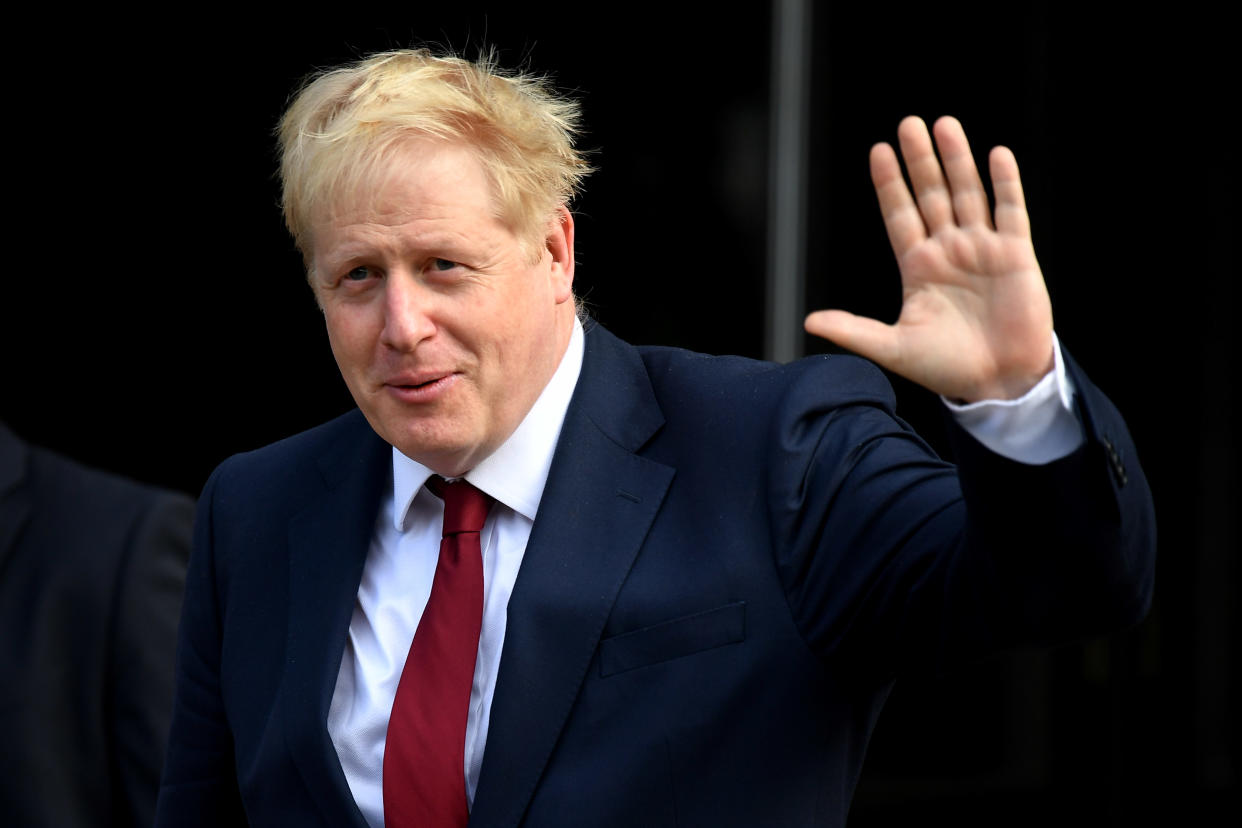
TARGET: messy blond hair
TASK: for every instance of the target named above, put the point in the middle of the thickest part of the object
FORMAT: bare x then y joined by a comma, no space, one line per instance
345,123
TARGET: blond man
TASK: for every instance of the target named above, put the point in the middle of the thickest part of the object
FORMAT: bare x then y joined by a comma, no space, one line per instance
694,578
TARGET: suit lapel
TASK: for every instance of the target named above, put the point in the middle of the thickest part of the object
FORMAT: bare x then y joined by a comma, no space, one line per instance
328,543
597,506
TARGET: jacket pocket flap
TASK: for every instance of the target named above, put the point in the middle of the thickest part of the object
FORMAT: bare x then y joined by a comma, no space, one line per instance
673,639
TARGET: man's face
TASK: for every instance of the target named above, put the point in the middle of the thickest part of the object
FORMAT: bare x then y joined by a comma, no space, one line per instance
445,327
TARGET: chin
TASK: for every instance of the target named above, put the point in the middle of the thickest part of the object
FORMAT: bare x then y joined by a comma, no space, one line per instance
443,456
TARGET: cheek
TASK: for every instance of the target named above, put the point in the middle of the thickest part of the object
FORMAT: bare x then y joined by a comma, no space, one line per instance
348,334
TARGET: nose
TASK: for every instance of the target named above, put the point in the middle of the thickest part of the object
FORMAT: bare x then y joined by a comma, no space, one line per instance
407,318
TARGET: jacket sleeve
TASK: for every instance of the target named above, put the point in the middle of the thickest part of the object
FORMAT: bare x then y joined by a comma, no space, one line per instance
899,561
199,784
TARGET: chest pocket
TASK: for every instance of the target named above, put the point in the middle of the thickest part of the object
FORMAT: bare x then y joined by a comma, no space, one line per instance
673,639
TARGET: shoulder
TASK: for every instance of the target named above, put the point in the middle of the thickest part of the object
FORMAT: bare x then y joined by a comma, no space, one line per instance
748,413
714,400
314,453
677,373
78,532
689,381
255,491
55,478
76,499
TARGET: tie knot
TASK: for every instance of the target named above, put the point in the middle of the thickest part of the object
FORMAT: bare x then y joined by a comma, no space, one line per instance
465,507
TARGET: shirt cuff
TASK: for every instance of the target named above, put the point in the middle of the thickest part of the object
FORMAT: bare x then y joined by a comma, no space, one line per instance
1036,428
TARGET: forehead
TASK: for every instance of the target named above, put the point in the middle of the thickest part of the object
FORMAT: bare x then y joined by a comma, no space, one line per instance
412,178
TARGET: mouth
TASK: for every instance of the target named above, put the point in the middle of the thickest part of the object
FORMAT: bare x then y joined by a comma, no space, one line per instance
421,387
425,384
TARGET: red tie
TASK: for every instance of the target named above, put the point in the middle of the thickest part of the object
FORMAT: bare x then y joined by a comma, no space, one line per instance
424,755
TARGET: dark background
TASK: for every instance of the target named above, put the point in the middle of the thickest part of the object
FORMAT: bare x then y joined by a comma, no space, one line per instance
154,317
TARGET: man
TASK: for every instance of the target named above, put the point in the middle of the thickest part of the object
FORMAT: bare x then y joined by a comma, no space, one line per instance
93,572
699,575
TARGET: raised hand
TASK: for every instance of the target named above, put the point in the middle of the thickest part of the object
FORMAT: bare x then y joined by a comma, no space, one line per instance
975,322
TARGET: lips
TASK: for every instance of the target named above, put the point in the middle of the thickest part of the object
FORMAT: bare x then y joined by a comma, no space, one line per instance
416,383
420,387
411,379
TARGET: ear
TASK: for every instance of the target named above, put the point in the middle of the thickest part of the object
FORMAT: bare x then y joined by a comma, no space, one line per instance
559,242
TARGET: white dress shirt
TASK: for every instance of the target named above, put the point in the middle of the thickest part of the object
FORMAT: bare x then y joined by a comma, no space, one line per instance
396,583
401,561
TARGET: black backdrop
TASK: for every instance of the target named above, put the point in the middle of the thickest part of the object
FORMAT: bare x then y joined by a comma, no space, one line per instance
155,319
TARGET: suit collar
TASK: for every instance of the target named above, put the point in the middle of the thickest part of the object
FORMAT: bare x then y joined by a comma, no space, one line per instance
599,502
615,392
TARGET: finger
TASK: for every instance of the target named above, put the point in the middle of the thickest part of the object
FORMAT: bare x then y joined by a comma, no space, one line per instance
865,337
970,200
930,188
1011,215
902,219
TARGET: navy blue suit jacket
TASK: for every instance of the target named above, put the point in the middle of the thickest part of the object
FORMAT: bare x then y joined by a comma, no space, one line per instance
731,562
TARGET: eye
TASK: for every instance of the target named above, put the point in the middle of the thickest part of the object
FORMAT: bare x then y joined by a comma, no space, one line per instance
358,274
442,265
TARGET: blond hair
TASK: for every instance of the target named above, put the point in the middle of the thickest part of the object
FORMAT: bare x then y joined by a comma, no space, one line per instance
344,124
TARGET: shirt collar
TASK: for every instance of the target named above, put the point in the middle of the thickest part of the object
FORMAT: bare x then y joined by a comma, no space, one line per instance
516,472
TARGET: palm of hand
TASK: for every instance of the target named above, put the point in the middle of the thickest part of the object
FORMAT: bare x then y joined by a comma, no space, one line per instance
976,321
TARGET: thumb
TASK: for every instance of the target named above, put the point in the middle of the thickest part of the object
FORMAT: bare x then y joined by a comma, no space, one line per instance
866,337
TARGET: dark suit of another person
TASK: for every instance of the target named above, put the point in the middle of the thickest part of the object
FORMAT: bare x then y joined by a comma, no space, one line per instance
731,562
92,569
